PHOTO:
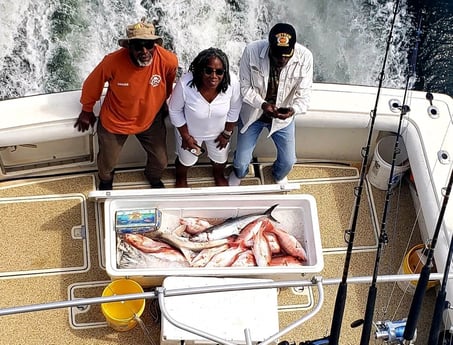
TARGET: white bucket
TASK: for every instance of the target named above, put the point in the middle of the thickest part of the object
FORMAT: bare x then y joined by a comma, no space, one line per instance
379,171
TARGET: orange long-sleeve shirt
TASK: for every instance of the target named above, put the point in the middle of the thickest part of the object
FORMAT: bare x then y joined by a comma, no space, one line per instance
135,94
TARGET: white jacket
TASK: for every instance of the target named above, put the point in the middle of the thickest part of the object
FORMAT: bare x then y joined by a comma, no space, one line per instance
294,88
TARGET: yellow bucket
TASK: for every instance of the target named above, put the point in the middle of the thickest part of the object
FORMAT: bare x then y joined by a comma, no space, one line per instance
122,315
413,263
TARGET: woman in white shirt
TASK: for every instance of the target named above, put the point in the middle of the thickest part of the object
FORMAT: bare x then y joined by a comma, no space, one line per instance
204,108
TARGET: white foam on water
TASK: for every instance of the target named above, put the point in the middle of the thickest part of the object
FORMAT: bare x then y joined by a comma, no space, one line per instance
347,38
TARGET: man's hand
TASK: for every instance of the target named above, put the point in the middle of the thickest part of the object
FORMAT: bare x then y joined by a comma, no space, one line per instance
269,109
85,120
284,113
280,113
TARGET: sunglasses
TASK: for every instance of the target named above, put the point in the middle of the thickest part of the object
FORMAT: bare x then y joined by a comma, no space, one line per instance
209,71
138,45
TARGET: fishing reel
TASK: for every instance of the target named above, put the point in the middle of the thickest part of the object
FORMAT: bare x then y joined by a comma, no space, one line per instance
391,332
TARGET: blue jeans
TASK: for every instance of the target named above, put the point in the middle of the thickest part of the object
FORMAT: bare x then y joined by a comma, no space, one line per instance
284,140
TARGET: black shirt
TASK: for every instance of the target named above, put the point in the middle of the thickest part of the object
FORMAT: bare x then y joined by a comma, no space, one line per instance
272,87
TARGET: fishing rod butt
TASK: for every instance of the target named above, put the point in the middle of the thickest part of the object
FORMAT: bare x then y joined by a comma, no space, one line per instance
369,312
436,321
338,313
417,301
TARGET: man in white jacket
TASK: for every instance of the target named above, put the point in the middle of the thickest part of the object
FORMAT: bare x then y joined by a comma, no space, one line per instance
276,76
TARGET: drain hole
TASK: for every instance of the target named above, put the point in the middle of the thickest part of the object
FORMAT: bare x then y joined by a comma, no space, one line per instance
433,112
395,105
83,307
443,157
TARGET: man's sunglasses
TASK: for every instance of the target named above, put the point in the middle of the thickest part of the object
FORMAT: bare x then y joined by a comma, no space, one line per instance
138,45
209,71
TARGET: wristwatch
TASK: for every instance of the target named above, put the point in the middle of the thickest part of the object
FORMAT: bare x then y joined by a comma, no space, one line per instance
227,134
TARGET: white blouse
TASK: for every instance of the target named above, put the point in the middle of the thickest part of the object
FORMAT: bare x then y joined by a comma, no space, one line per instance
204,120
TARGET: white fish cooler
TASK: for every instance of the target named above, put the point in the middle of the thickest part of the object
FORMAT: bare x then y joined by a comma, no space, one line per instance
296,213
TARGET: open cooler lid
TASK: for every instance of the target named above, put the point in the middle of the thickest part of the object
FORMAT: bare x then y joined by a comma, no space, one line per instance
101,195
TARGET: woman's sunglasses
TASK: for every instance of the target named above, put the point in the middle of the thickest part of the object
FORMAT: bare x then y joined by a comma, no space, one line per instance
209,71
138,45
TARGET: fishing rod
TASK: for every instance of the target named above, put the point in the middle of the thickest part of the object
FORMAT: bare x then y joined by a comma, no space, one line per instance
340,301
383,238
417,300
441,304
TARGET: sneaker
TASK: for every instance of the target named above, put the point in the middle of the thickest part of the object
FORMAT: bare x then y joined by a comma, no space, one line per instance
233,180
158,184
283,181
105,185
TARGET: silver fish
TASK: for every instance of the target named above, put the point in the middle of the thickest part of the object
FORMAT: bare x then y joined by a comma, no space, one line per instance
206,255
183,243
231,226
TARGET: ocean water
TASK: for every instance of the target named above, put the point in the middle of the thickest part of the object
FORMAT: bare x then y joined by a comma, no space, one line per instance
435,68
52,46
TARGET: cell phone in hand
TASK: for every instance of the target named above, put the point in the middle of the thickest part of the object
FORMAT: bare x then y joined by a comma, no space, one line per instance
283,110
197,151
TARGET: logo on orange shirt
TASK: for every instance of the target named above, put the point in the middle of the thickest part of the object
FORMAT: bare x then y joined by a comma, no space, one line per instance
155,80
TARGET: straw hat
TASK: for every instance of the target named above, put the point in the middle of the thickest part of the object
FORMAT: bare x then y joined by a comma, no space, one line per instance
139,31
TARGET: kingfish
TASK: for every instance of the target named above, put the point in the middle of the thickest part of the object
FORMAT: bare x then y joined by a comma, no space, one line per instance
231,226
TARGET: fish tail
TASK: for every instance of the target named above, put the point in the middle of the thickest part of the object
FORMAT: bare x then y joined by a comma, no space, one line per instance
268,213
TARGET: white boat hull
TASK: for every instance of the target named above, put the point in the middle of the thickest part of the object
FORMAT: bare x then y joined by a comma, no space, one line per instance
37,136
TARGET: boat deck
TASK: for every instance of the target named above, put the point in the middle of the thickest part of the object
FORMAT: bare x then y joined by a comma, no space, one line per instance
53,250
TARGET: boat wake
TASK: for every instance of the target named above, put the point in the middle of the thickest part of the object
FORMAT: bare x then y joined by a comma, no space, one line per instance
55,46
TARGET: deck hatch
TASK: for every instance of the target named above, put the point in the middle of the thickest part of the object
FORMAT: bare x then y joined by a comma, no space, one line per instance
45,237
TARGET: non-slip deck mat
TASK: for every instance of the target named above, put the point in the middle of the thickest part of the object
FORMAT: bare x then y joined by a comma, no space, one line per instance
391,302
291,299
400,225
48,186
51,236
197,173
53,326
333,188
302,172
192,183
335,204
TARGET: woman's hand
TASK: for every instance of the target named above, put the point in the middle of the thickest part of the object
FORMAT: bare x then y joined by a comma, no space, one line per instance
222,141
188,142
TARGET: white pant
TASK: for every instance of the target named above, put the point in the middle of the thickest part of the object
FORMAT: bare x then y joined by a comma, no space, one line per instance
186,158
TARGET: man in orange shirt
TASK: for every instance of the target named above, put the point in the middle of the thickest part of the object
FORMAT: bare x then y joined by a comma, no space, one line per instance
140,78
